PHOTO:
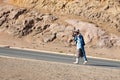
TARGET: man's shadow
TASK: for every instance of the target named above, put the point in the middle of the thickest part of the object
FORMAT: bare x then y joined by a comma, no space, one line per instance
104,65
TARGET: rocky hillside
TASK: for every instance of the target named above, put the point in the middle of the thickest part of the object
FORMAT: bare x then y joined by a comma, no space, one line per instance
105,13
54,20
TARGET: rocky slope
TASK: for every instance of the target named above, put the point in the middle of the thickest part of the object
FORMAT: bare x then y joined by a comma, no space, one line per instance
103,12
49,20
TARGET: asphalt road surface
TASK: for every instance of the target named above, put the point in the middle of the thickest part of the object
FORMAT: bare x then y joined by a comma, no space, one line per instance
56,58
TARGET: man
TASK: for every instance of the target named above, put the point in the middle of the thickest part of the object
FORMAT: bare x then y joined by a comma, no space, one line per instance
78,38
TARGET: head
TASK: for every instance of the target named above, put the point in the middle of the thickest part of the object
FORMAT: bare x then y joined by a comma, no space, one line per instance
76,32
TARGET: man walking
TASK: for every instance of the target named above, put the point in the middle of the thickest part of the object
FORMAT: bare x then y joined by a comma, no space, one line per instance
79,40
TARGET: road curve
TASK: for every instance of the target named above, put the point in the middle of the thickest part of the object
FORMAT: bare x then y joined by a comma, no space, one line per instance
56,58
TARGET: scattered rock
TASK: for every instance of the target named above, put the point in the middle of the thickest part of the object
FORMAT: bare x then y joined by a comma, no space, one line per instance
94,35
100,12
16,13
2,20
49,38
22,22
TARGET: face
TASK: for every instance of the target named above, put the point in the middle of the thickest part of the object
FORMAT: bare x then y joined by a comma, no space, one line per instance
75,33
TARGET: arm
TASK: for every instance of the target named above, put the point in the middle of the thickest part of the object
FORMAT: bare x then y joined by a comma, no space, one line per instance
75,39
82,40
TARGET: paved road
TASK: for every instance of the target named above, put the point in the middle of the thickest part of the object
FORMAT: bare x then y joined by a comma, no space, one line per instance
56,58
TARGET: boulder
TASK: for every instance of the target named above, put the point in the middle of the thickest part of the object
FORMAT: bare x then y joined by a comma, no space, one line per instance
94,35
16,13
2,20
49,37
100,12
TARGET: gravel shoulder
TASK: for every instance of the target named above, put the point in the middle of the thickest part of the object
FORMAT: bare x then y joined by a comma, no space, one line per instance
26,69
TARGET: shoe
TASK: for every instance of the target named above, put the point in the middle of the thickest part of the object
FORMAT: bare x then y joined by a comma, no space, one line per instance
75,62
85,62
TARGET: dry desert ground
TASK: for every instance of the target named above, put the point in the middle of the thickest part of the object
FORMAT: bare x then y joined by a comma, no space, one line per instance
26,69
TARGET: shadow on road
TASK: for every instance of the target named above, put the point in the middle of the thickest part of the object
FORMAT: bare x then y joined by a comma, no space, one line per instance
105,65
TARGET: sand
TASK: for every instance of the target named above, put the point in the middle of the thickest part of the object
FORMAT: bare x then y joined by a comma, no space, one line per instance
21,69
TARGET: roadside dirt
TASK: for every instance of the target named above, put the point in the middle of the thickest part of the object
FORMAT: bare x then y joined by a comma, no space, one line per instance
17,69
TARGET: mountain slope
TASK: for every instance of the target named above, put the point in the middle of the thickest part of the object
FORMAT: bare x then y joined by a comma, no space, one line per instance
55,20
104,13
